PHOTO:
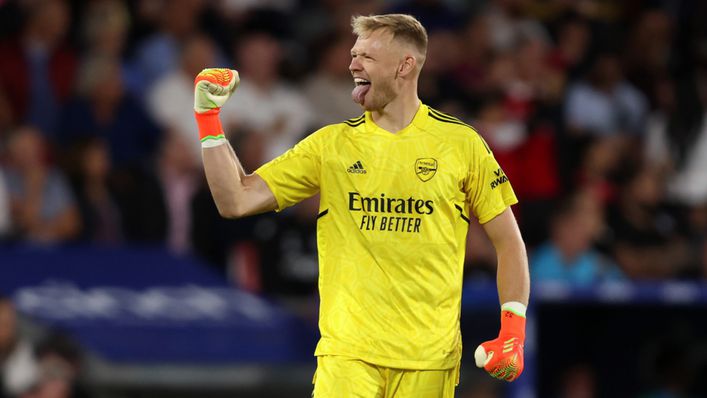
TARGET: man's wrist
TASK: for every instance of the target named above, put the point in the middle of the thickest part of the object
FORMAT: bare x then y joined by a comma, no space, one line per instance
513,321
210,130
515,307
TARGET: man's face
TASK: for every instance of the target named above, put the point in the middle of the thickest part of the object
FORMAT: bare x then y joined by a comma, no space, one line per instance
374,63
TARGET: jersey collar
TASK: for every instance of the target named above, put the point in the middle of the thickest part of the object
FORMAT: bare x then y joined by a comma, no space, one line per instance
419,121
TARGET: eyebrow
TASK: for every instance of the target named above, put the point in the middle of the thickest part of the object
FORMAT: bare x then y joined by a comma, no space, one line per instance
361,53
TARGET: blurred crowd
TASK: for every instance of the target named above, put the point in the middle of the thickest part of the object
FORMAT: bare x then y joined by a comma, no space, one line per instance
595,109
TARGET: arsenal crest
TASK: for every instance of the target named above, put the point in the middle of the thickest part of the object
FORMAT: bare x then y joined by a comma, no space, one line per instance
425,168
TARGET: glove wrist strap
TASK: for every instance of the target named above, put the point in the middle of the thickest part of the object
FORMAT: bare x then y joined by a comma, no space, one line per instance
512,325
210,129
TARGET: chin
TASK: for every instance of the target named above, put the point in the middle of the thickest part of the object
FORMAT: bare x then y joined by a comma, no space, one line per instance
370,106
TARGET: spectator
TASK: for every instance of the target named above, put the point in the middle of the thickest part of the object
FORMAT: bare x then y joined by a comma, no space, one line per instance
509,26
105,29
43,208
179,174
18,367
103,109
476,54
569,256
37,68
59,361
5,220
158,55
289,252
677,139
172,97
648,48
649,240
573,41
265,104
7,120
605,104
89,172
434,14
439,85
329,88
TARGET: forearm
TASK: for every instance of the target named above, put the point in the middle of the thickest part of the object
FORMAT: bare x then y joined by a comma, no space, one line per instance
513,278
225,177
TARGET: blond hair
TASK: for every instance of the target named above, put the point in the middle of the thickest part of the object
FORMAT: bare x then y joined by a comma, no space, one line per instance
403,27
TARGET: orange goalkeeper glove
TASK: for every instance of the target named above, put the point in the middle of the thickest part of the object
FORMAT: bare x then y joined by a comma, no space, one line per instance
212,87
502,357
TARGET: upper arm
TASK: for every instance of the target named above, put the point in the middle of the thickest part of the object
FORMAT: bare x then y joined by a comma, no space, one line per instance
295,175
259,197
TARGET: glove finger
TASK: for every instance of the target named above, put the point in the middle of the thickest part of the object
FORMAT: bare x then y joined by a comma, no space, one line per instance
498,374
217,89
235,81
480,356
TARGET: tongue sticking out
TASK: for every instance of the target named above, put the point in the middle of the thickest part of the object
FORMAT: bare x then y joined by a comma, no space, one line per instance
359,92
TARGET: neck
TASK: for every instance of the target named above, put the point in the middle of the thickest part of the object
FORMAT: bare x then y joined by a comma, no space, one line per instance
397,114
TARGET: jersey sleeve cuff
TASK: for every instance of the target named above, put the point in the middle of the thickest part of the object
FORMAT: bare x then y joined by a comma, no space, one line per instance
490,215
263,173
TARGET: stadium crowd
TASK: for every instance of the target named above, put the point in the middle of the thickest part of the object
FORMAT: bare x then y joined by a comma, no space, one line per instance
595,110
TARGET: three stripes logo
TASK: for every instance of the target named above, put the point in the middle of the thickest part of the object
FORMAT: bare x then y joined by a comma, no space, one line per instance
508,345
356,168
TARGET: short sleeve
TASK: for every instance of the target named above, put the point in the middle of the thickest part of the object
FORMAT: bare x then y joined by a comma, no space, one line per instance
488,191
295,175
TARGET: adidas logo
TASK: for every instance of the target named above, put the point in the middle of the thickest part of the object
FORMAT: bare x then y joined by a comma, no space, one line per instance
356,168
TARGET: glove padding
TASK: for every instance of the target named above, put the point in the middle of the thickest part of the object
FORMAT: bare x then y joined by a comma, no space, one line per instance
502,357
213,87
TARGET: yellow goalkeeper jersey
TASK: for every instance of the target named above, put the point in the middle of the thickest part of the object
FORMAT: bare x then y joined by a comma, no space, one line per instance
391,231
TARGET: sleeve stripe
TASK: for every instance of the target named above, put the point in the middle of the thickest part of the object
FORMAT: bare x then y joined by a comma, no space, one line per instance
355,124
432,115
322,214
483,141
443,117
449,118
461,213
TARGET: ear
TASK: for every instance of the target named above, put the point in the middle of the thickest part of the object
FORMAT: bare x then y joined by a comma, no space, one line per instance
407,65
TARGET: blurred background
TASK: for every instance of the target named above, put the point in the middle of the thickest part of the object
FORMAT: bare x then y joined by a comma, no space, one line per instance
119,279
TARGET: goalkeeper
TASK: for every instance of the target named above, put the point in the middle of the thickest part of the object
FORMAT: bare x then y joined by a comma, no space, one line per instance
398,186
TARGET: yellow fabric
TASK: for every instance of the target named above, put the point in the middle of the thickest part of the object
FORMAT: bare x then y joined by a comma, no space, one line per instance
341,377
392,230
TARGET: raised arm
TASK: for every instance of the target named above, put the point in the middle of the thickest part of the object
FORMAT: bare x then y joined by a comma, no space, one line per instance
235,193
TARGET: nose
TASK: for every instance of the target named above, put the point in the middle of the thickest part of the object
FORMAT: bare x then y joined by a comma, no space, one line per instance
355,65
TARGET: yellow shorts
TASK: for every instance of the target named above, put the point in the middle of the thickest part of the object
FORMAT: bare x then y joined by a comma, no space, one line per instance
341,377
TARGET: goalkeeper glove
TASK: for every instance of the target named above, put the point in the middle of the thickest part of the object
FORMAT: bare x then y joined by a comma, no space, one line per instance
502,357
212,87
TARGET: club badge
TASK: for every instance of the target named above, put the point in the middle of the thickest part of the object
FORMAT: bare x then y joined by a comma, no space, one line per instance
425,168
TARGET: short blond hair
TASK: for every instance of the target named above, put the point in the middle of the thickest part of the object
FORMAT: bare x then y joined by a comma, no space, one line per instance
402,26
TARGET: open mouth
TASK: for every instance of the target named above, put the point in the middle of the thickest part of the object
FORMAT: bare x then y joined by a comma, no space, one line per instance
359,92
361,82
